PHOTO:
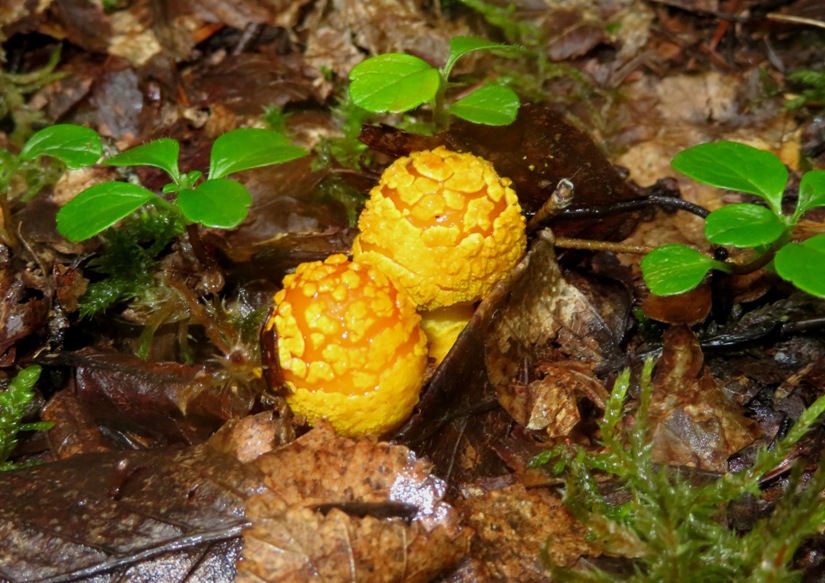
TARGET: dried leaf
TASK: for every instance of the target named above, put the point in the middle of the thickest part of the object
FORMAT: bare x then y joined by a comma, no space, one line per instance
514,527
292,540
532,318
23,310
551,403
545,320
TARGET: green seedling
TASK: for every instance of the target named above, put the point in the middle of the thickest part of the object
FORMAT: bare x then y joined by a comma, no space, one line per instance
216,201
14,406
672,527
765,230
398,82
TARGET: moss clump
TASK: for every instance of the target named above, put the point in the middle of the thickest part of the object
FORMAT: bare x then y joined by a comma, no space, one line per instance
673,529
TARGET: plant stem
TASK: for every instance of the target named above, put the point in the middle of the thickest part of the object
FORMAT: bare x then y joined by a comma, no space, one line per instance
664,202
440,116
590,245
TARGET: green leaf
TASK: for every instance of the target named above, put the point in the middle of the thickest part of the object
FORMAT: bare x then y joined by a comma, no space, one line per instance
801,264
99,207
75,145
493,105
743,225
738,167
675,269
811,192
248,148
162,153
461,45
220,203
393,82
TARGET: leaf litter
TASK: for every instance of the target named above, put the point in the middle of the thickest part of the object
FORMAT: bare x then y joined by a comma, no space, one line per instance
127,464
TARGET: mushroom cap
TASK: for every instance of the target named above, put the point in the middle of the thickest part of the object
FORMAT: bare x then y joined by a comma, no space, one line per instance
444,225
350,346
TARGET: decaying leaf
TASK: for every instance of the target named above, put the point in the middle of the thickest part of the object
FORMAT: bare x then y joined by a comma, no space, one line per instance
336,509
695,424
340,31
532,319
514,527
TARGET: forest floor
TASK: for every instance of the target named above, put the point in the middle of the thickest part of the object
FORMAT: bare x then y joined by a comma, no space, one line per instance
579,429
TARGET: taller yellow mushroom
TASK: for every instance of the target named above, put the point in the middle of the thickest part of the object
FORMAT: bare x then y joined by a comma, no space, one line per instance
444,225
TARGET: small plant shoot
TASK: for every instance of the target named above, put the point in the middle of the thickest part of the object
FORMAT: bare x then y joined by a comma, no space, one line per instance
765,230
216,201
398,82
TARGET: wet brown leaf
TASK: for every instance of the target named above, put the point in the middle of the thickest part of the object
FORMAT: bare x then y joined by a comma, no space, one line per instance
23,308
163,515
514,527
145,401
688,308
248,83
291,539
74,430
695,424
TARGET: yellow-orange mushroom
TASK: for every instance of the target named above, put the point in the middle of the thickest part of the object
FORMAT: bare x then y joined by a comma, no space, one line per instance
444,225
350,346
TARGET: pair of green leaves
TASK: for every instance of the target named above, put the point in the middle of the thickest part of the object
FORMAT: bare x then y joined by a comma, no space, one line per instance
398,82
674,269
218,201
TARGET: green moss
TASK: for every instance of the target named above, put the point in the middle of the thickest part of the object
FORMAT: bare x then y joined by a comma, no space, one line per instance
14,408
128,260
811,89
671,528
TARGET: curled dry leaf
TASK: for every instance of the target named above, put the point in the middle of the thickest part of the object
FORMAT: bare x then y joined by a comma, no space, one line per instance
695,423
550,402
546,320
317,518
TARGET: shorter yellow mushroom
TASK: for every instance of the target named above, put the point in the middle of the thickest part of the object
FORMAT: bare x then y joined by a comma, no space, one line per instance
444,225
349,345
442,327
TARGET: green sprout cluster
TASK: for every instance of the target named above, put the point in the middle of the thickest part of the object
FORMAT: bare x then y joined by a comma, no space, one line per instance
674,528
216,201
398,82
765,229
